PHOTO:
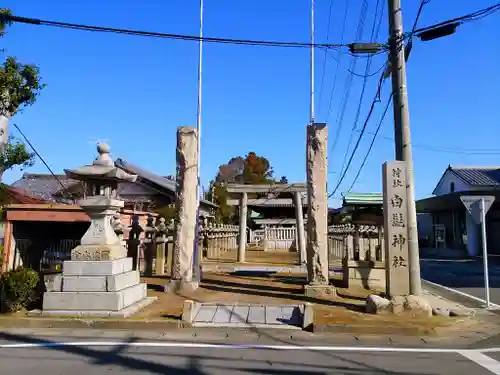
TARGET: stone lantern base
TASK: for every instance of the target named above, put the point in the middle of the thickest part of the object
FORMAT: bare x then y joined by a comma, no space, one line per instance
97,288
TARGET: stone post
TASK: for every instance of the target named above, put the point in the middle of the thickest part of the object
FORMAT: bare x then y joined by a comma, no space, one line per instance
301,236
134,241
395,229
243,228
317,212
186,204
149,244
160,241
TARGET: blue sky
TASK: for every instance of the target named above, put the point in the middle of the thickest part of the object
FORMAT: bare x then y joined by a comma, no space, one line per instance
134,92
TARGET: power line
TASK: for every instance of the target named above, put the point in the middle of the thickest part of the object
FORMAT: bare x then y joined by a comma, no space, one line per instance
447,150
339,57
43,160
474,16
375,31
370,112
400,44
349,78
34,21
371,144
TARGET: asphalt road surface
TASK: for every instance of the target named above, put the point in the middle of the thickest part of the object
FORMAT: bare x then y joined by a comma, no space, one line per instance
464,275
20,355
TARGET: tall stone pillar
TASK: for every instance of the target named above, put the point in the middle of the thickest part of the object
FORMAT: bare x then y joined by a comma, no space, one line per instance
243,228
186,205
317,211
301,236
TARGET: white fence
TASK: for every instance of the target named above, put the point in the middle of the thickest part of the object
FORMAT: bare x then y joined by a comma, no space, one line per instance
275,238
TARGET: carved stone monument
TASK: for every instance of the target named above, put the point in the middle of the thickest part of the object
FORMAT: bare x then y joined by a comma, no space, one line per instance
317,213
99,279
395,229
186,206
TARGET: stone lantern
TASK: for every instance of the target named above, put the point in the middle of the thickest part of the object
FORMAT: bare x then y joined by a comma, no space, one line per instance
99,279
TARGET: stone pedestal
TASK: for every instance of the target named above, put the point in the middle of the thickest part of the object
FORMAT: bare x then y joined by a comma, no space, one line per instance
97,288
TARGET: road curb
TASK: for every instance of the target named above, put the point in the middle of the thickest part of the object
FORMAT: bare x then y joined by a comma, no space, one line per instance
104,324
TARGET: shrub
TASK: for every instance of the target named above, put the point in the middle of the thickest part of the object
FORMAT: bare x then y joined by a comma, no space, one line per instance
18,288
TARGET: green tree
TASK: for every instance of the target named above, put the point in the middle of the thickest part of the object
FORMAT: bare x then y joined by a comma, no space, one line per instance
20,86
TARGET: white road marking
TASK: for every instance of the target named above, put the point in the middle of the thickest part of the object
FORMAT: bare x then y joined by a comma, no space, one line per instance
330,348
483,360
493,305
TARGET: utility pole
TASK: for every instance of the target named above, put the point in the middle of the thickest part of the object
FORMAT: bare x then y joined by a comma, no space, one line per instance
311,109
402,136
197,255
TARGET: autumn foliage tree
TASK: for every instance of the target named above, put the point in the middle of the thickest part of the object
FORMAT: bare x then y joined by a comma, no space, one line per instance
20,86
251,169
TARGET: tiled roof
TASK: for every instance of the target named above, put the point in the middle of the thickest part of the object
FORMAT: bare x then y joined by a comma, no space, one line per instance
19,196
42,186
478,176
152,177
363,198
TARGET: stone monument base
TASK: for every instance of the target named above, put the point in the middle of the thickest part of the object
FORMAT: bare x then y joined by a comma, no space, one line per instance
99,252
174,286
320,291
96,288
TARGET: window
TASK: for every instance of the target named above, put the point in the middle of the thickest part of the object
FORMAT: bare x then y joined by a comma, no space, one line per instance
452,187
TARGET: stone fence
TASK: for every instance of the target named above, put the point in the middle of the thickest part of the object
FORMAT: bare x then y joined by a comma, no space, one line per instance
152,246
360,251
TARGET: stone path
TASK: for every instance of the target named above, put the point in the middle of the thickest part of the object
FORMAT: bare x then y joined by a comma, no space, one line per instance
268,316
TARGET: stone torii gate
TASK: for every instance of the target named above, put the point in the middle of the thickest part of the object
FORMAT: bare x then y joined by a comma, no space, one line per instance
244,190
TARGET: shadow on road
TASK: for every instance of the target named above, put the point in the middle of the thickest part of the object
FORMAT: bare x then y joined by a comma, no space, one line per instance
195,365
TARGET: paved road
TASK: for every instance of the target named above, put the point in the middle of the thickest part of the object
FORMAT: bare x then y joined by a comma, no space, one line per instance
111,360
134,356
465,275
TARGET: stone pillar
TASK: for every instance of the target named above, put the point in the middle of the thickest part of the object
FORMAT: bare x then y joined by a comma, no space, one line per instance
149,246
134,241
160,242
243,228
317,212
186,204
301,236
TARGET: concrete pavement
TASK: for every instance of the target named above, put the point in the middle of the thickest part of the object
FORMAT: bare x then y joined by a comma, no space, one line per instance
23,354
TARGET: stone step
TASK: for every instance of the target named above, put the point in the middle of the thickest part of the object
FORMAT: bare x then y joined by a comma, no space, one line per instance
231,315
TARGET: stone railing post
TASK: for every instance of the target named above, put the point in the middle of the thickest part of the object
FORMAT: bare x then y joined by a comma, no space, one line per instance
149,244
133,242
160,242
209,240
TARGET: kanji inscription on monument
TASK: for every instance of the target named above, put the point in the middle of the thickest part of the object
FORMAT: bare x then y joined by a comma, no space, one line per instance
395,228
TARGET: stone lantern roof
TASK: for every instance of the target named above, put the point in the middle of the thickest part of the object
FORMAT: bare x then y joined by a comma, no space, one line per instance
102,168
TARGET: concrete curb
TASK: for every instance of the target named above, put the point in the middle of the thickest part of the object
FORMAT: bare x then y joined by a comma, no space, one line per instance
104,324
189,310
308,317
